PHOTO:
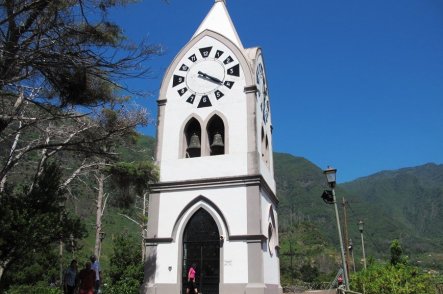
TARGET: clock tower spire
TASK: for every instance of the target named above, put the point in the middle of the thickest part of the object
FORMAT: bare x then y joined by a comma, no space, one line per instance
219,21
215,204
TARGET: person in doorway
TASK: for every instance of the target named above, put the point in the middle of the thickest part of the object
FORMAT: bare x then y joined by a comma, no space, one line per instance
86,279
70,278
192,288
98,274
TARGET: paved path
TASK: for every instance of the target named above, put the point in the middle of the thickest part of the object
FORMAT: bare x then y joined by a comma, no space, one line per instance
333,291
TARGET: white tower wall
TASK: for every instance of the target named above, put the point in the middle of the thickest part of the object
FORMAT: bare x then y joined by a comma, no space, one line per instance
213,78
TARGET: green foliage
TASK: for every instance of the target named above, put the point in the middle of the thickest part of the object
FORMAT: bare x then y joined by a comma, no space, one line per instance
305,256
396,253
308,273
33,268
36,218
35,289
126,270
138,174
86,56
131,177
390,279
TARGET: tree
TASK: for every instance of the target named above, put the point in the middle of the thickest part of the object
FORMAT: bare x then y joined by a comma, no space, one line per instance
37,219
56,55
62,92
62,95
134,179
396,253
67,48
126,270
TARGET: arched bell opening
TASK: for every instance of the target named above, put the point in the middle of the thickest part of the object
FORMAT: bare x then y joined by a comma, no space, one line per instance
201,246
192,135
216,135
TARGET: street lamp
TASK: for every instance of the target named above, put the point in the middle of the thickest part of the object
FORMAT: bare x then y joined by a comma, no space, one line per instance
330,174
360,228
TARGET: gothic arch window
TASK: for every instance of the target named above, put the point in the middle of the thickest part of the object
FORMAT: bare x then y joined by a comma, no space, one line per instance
192,137
271,239
272,234
216,135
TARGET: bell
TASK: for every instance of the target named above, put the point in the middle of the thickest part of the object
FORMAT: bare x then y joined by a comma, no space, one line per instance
194,143
217,141
217,146
193,149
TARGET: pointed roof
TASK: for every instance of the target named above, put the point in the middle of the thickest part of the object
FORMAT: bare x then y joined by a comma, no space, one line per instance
219,21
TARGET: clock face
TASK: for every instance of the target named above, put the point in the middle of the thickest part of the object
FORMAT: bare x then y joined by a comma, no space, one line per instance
205,74
262,91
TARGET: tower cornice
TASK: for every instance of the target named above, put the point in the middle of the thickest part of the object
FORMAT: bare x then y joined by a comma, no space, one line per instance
250,180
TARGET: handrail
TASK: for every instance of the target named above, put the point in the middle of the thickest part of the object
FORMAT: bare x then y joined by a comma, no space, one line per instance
341,290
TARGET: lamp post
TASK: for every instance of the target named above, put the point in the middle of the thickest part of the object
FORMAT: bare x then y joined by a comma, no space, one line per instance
360,228
330,174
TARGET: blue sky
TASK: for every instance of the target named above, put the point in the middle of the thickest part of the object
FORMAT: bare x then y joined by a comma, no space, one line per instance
353,84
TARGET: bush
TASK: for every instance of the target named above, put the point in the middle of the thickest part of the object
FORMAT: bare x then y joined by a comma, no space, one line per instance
390,279
126,272
37,289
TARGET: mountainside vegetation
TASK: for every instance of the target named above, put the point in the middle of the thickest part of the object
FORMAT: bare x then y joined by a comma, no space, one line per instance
413,200
404,204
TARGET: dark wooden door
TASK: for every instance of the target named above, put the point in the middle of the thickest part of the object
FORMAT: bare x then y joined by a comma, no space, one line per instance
201,246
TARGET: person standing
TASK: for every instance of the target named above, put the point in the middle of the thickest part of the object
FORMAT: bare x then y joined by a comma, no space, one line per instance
70,278
86,279
191,280
98,273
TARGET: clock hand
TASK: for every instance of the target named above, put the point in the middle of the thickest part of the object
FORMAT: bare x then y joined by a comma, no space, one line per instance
211,78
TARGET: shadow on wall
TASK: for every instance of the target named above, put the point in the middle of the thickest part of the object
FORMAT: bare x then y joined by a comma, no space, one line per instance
150,268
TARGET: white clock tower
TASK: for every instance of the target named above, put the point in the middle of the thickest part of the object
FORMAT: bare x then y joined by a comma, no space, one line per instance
215,204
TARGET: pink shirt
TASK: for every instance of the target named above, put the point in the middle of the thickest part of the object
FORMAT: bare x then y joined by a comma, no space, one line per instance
191,273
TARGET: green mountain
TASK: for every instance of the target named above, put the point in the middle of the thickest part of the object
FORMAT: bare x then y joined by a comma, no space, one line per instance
413,200
405,204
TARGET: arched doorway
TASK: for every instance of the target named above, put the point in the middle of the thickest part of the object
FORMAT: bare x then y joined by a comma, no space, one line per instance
201,245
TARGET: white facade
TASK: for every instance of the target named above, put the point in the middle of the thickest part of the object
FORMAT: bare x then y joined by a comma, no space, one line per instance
216,169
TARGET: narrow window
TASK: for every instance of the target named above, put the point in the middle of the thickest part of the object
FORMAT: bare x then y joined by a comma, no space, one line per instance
262,142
